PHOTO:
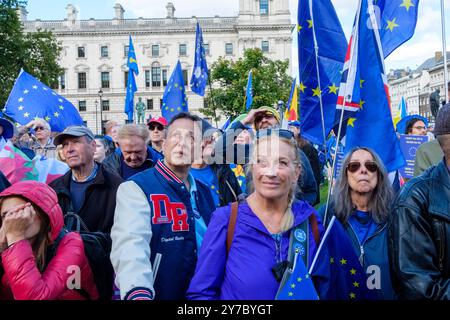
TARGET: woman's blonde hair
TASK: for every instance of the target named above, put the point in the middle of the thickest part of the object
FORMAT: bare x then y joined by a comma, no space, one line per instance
130,130
288,218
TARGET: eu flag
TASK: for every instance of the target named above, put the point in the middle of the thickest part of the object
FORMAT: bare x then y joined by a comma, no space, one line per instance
249,92
372,125
131,82
200,74
174,98
338,274
319,22
398,20
299,285
30,99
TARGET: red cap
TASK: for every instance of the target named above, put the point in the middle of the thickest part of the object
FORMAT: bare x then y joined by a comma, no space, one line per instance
161,120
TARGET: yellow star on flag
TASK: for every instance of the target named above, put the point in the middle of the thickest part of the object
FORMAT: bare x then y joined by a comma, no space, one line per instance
302,87
178,109
20,108
352,295
356,284
26,114
333,89
293,286
47,118
351,122
317,92
172,109
299,27
391,24
331,260
310,24
361,103
343,261
290,294
61,108
361,83
407,4
56,114
353,271
299,279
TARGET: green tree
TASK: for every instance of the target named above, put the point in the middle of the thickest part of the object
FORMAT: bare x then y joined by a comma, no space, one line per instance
37,53
271,83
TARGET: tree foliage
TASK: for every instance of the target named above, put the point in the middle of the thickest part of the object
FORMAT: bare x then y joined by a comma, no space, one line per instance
37,53
271,83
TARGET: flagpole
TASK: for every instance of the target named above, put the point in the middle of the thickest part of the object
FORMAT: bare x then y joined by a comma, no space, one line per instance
444,51
316,49
341,120
211,92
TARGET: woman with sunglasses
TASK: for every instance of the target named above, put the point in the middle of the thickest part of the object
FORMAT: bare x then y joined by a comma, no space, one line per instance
250,267
361,201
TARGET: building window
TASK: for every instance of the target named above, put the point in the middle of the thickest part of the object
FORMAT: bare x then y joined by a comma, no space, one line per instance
125,50
228,48
147,78
265,46
264,7
155,50
206,47
125,77
149,104
105,105
156,77
164,77
62,81
82,105
105,79
81,52
185,77
183,49
104,52
82,80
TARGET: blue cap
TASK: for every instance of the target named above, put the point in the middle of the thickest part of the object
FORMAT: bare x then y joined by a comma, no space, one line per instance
8,128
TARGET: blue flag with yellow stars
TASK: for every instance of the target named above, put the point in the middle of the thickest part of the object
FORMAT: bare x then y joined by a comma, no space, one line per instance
30,99
299,285
338,274
319,20
174,98
200,74
372,125
249,91
131,81
397,23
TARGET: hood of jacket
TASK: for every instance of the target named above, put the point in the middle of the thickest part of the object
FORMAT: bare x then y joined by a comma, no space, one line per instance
42,196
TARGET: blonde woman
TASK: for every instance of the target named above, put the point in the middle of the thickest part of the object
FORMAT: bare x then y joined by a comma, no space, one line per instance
265,221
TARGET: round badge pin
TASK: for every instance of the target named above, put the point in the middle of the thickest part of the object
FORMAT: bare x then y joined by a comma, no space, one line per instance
299,249
300,235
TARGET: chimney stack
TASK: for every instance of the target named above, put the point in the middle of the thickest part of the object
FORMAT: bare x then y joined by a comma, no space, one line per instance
170,10
119,11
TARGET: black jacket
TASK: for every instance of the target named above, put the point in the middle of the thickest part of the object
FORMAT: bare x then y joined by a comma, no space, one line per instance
419,236
99,203
229,187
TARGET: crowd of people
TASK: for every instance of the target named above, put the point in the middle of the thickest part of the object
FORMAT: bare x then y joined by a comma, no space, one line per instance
190,211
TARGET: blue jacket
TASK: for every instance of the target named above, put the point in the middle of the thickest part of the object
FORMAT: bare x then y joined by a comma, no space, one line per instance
154,216
246,273
374,251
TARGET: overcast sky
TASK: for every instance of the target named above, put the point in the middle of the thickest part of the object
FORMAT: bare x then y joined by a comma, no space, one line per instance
422,46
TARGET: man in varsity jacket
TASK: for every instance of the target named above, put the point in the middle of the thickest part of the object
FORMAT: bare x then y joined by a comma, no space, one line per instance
160,219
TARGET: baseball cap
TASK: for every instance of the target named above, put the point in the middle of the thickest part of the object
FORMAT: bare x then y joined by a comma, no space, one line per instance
73,131
161,120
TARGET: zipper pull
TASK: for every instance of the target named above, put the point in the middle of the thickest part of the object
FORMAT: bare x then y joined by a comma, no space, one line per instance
361,257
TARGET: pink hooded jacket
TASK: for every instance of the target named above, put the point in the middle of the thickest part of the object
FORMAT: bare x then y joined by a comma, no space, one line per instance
22,280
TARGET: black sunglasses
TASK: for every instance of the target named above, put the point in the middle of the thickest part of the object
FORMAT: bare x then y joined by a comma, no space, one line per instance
282,133
355,165
39,128
152,127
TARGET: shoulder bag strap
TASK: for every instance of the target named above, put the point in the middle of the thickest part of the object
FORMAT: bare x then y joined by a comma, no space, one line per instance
232,225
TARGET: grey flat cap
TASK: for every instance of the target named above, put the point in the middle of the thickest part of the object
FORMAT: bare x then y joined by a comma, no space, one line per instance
73,131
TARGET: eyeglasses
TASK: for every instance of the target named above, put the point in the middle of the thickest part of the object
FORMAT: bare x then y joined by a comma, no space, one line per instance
370,165
268,114
39,128
152,127
420,128
282,133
